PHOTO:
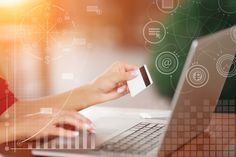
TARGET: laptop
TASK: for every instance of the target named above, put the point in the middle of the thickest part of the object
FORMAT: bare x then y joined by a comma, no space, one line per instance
195,99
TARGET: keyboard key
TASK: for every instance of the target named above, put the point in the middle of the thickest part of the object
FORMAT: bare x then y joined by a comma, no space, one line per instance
126,133
139,139
151,125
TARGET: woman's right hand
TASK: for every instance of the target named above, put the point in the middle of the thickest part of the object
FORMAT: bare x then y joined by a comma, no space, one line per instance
51,125
112,84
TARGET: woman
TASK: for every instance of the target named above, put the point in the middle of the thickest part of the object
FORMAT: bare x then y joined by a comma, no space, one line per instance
110,85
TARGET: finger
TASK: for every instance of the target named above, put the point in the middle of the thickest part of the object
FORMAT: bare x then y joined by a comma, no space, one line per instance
77,120
63,132
120,84
130,67
121,89
85,120
70,120
114,94
78,116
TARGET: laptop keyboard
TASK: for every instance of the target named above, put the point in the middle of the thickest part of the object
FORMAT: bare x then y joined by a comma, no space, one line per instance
139,139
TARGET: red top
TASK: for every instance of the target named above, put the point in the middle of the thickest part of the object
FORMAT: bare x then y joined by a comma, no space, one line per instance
7,98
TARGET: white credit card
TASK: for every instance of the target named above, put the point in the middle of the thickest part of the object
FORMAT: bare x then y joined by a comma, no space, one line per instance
141,82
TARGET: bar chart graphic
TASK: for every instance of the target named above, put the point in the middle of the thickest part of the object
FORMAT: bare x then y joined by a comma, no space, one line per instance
84,141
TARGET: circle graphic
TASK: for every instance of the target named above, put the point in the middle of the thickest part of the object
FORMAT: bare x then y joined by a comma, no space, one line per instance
44,26
154,32
226,7
197,76
167,63
224,63
167,6
233,34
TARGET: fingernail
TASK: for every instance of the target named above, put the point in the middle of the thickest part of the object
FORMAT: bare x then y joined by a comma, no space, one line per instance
86,126
89,126
135,73
121,89
76,133
92,131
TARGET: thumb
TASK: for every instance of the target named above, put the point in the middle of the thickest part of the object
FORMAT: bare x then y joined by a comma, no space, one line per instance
117,93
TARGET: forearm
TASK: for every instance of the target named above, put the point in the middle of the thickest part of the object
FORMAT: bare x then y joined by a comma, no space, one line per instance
102,89
76,99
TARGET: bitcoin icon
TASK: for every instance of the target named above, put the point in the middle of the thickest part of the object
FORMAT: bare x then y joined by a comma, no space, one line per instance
167,63
197,76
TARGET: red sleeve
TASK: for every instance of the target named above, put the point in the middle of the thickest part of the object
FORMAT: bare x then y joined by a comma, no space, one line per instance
7,98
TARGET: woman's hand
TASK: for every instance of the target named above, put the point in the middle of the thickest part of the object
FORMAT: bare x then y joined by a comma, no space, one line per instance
49,125
113,83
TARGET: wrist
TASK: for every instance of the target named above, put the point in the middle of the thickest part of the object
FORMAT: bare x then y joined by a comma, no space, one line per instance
91,94
87,95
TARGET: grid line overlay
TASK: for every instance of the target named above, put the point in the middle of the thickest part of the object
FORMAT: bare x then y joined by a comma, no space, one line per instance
218,139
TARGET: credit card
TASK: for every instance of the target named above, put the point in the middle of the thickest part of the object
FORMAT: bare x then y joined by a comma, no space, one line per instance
140,82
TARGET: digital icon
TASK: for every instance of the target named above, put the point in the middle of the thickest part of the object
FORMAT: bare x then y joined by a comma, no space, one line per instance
154,32
197,76
167,6
94,8
43,31
81,140
167,63
225,7
233,34
226,65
